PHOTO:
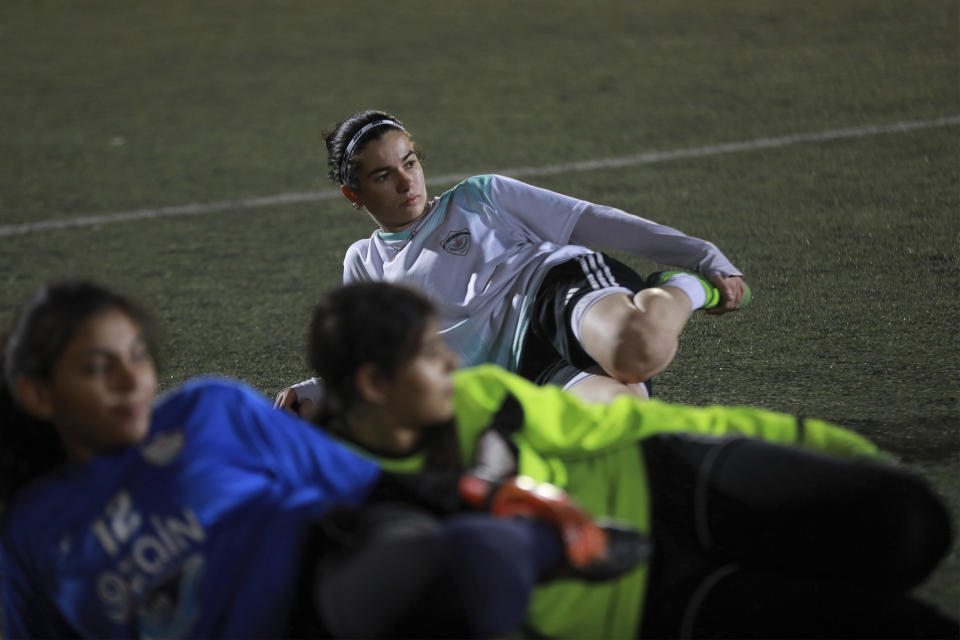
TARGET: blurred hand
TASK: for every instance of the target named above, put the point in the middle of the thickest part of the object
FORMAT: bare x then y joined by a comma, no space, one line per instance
288,401
585,542
731,293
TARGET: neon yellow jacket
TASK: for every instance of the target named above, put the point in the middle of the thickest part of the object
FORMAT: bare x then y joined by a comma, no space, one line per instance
591,451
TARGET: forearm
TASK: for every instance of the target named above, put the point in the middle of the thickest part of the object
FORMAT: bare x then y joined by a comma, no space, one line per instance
610,228
311,389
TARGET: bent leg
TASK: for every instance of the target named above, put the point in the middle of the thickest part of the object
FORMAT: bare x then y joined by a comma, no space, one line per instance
635,337
411,575
393,559
593,310
825,517
755,539
496,564
790,510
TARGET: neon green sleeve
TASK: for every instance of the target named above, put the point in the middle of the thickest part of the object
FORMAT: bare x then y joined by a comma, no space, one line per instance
558,422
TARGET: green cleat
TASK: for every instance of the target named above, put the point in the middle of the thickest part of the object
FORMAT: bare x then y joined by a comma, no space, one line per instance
660,278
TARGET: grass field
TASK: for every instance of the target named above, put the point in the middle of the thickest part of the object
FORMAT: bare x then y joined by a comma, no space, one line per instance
850,244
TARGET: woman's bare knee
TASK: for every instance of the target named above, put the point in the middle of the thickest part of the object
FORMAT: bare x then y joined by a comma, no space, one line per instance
634,338
642,355
604,389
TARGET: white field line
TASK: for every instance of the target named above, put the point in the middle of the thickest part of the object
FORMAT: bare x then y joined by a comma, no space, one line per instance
649,157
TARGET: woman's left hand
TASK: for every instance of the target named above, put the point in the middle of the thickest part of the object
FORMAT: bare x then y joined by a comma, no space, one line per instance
731,293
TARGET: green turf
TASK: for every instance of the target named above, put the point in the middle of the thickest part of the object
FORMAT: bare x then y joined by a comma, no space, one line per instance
851,246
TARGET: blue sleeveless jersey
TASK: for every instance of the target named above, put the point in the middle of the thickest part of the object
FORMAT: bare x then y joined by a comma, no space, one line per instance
195,532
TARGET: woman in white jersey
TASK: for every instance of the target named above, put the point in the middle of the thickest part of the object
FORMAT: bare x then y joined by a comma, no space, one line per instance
508,267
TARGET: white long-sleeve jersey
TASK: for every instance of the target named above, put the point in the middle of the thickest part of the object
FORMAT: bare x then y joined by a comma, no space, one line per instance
485,245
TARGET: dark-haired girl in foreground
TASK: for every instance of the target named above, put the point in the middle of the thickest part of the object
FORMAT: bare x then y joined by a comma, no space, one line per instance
764,525
209,514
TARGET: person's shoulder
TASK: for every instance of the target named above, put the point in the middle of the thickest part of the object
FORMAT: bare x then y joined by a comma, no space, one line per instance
359,251
485,188
204,385
361,244
359,247
207,391
486,183
207,410
476,186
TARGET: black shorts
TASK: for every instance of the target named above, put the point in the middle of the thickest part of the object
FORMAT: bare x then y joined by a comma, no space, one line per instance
551,354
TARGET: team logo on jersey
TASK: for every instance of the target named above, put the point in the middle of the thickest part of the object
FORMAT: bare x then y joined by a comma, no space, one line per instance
457,242
163,447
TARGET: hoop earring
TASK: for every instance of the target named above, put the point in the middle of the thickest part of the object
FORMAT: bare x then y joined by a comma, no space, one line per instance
356,205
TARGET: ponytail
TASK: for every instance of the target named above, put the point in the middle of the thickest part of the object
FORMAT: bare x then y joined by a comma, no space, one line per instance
29,447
